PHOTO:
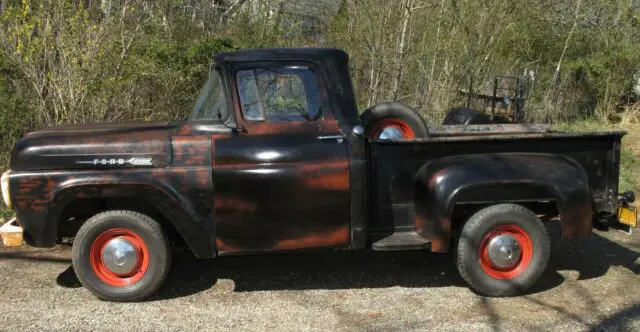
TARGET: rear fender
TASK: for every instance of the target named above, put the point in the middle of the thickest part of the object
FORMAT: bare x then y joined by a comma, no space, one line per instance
494,178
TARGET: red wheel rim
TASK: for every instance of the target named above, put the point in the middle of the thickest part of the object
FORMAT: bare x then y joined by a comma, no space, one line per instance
104,273
523,240
402,126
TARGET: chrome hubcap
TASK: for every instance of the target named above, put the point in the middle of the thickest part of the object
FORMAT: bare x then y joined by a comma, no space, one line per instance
504,251
391,133
120,256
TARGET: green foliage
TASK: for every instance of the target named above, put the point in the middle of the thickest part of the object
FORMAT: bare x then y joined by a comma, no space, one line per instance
88,61
593,43
63,62
81,68
15,118
5,213
166,74
97,61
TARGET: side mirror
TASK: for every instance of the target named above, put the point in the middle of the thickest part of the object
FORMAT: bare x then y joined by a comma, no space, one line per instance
357,131
234,130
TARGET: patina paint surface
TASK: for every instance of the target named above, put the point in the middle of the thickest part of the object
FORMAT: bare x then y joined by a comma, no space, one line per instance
247,186
274,195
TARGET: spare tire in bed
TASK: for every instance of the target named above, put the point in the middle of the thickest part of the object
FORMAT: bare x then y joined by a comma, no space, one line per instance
466,116
393,121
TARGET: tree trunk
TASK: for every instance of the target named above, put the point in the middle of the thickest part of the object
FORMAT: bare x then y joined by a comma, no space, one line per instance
407,6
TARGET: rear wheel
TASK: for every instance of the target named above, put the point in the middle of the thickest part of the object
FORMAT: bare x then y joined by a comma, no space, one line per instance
121,255
503,250
393,121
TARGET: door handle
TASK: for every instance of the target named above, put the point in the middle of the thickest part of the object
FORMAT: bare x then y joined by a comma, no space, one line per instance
339,138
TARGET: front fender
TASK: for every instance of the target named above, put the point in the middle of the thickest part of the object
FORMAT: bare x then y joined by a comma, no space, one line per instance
503,177
183,195
193,227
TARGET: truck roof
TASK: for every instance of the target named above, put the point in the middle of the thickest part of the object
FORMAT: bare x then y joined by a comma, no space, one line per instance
331,63
268,54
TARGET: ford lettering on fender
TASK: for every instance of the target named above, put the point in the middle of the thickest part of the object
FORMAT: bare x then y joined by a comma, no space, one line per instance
275,157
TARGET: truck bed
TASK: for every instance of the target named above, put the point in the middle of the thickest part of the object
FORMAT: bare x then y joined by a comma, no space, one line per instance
395,164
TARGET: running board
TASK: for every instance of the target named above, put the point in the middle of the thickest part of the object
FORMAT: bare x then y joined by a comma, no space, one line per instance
401,241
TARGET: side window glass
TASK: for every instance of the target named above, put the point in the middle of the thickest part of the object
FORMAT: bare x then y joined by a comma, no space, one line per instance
212,101
279,94
249,97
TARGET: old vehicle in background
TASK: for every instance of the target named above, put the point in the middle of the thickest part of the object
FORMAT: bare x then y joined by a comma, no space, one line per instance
504,105
275,157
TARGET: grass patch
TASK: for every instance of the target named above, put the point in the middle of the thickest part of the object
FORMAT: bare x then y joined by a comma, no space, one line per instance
629,173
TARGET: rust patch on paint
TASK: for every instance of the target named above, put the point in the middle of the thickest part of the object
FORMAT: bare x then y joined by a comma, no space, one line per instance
446,224
439,244
234,204
222,246
186,129
214,141
329,164
419,223
576,221
202,177
272,128
264,128
191,150
335,181
219,136
335,238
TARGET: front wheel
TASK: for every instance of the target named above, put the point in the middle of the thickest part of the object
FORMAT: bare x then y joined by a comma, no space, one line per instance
121,256
503,250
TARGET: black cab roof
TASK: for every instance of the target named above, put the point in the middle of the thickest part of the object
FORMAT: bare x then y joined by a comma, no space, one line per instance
269,54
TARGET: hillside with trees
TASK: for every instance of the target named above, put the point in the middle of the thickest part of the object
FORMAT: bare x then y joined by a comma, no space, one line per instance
122,60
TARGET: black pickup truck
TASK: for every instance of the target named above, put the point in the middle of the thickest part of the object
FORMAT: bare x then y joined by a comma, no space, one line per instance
275,157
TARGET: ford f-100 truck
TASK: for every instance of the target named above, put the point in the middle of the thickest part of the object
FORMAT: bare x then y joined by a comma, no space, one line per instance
275,157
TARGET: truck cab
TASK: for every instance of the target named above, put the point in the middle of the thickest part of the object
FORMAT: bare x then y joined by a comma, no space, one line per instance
284,173
275,157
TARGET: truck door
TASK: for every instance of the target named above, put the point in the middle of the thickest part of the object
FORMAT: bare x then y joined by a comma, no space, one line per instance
282,183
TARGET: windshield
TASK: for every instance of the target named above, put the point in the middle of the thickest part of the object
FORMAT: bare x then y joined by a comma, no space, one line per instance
211,101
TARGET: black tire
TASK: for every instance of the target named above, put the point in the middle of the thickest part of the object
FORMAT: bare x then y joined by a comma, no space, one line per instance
466,116
393,110
155,240
469,249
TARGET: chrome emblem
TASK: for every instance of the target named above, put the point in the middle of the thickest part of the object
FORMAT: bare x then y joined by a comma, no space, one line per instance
117,161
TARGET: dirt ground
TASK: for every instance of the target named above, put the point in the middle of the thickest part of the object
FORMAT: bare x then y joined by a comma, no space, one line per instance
591,284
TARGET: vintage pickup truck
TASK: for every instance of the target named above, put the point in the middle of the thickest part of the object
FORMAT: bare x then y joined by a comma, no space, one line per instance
275,157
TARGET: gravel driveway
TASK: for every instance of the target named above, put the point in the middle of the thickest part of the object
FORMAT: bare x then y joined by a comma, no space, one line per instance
591,284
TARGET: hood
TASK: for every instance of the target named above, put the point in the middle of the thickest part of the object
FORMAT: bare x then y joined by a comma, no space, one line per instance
94,128
90,146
